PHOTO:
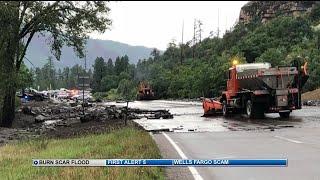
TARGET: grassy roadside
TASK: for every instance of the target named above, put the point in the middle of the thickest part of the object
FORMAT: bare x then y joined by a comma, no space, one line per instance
16,159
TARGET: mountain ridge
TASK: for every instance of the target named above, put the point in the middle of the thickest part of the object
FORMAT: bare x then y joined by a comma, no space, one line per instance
39,51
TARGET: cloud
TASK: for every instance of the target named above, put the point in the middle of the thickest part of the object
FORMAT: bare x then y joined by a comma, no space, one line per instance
155,24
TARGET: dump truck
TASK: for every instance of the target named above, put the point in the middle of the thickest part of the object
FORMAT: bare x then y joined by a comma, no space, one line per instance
258,88
145,91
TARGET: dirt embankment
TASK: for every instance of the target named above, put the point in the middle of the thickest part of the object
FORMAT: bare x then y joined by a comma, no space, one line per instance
311,98
311,95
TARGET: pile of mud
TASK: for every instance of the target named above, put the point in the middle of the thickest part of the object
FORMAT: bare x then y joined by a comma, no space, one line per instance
64,119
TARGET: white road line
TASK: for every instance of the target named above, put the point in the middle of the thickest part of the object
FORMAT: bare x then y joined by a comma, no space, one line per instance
193,170
287,139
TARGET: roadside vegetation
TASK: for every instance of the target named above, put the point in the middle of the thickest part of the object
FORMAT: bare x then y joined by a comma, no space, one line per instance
16,159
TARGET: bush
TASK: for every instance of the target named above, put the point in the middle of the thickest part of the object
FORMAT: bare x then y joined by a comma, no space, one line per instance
113,95
100,95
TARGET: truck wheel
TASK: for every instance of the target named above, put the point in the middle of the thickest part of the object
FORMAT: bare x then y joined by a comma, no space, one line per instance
284,114
254,110
224,108
249,109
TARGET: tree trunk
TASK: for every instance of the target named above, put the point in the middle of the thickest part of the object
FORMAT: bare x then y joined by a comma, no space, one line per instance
10,53
8,107
9,78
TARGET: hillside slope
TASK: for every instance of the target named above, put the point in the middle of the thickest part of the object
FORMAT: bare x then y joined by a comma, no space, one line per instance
39,51
311,95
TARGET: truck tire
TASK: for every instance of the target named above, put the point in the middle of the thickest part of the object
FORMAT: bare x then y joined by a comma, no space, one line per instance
224,108
284,114
254,110
249,108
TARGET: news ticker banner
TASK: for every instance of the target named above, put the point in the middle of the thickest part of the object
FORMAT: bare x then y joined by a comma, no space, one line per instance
161,162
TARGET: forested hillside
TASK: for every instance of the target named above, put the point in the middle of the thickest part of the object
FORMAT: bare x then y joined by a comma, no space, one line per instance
277,41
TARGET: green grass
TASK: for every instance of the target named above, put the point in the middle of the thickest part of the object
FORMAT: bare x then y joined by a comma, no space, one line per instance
16,159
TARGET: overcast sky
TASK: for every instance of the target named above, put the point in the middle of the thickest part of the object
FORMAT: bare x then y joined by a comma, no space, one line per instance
155,24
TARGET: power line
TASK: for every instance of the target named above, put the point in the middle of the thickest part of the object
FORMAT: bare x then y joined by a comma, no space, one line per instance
194,37
30,62
218,22
181,55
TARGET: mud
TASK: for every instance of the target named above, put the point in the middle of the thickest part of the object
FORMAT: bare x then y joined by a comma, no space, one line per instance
65,119
188,118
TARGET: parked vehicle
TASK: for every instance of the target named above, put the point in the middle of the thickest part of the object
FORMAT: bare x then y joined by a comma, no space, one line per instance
257,88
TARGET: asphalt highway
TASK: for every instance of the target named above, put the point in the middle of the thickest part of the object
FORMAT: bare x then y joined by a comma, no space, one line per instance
194,137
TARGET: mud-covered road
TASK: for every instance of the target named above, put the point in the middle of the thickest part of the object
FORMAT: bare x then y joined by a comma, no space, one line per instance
189,135
187,118
195,137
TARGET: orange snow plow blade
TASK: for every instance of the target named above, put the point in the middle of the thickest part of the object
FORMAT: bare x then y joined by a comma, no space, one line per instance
211,106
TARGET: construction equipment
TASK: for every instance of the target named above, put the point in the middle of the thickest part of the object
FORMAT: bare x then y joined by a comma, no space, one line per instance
145,91
257,88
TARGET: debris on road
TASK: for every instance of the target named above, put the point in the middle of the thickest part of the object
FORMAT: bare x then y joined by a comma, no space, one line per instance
311,103
64,117
93,112
152,114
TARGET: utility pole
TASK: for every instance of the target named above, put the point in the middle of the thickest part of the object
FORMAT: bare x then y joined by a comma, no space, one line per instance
181,55
82,83
218,23
199,30
78,73
226,29
84,74
194,37
50,76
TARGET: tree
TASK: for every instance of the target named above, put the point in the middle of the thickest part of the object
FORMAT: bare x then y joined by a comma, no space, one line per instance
75,72
315,14
279,32
109,82
99,71
275,56
24,77
49,74
117,66
155,53
68,23
128,91
110,67
121,64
